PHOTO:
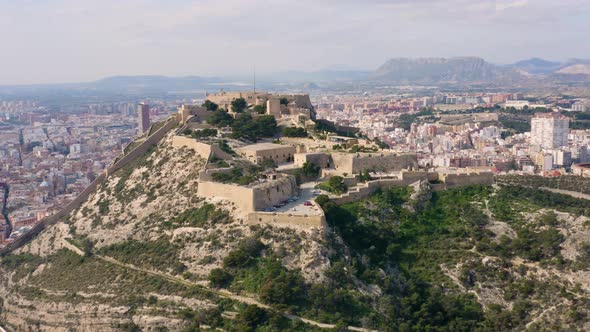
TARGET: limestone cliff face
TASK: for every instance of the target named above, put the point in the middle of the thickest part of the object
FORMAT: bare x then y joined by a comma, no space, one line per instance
152,242
438,70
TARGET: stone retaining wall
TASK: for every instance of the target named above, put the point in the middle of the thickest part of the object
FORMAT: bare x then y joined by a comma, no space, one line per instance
364,190
286,219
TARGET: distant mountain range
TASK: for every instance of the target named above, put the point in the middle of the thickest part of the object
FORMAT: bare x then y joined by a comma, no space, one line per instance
543,67
475,70
152,82
412,71
537,66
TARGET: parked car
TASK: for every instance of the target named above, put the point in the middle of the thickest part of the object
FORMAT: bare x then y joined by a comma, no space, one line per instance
307,203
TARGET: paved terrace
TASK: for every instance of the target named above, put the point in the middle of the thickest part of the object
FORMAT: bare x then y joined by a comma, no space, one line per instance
298,207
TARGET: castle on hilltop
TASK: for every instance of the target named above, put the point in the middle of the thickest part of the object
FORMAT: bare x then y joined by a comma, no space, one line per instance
278,105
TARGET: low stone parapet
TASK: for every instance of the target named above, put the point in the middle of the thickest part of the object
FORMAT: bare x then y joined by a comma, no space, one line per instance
286,219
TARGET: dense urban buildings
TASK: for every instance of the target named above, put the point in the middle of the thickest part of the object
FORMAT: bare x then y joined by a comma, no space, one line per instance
48,157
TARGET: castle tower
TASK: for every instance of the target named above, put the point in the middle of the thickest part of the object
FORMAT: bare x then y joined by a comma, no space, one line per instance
273,107
143,117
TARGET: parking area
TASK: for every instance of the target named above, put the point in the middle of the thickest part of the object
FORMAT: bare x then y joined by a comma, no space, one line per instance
301,204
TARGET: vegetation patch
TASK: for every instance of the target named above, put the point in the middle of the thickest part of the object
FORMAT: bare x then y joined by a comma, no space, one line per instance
402,252
253,268
294,132
237,176
334,185
161,254
568,182
205,215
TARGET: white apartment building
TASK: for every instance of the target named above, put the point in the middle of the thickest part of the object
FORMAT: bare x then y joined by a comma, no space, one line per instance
579,107
549,130
562,158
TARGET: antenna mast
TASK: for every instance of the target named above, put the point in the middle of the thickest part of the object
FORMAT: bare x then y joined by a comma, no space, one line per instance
254,79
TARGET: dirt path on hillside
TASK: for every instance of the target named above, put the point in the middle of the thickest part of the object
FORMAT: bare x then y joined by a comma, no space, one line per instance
574,194
543,314
221,293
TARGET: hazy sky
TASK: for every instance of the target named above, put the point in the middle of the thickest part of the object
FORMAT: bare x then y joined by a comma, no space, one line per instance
80,40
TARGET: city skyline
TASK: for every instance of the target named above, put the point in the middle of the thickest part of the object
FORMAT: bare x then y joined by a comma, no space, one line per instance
66,41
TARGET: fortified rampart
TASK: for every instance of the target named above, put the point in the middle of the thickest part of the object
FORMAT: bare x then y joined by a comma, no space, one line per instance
454,180
287,219
257,153
202,149
242,197
300,100
192,113
322,160
364,190
355,163
250,199
117,164
224,99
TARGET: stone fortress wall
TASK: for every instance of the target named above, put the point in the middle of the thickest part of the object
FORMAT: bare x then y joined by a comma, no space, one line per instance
242,197
298,103
287,219
153,139
466,179
407,178
321,160
204,150
192,112
257,153
273,192
224,99
249,199
356,163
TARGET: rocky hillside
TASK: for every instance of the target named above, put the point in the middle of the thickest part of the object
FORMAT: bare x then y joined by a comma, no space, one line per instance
145,254
573,69
537,66
476,258
137,254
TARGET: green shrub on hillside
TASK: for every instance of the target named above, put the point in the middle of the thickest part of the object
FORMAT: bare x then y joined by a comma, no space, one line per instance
294,132
161,254
199,217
